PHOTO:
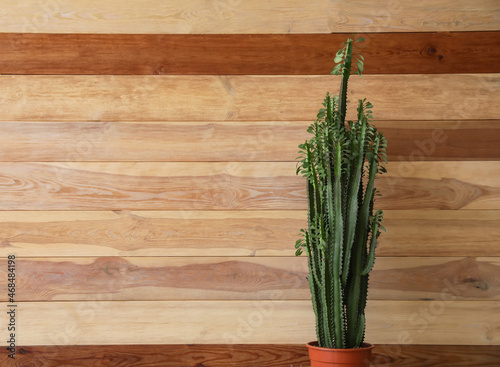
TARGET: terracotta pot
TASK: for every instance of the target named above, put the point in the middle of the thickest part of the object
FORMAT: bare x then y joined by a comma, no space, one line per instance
326,357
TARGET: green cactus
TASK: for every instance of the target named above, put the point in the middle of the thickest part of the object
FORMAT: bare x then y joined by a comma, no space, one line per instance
340,162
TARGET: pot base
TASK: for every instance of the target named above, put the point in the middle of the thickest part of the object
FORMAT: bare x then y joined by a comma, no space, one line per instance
327,357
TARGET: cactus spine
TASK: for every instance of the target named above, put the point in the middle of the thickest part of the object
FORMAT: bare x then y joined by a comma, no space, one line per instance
340,162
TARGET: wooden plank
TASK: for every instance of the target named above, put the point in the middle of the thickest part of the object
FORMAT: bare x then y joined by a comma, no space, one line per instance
236,16
159,278
436,355
246,322
232,233
186,355
437,185
245,355
153,186
157,233
271,141
242,98
441,140
217,278
232,185
435,278
440,233
244,54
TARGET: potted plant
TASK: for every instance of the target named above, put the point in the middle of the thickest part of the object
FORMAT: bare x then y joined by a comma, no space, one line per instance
340,162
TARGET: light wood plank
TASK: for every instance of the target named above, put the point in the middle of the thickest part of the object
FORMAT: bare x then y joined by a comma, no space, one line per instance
244,54
242,98
440,233
237,16
224,278
158,233
248,355
232,185
232,233
151,141
228,140
246,322
154,186
438,185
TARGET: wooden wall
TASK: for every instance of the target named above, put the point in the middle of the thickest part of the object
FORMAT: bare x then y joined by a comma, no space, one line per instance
148,188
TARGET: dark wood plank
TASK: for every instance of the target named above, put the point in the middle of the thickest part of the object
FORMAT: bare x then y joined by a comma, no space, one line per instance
159,278
149,54
435,278
441,140
219,355
273,141
436,355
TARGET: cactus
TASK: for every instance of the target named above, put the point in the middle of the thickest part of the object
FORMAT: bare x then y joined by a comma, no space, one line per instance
340,162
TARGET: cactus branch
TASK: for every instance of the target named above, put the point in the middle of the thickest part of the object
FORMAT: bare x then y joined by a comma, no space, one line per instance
340,162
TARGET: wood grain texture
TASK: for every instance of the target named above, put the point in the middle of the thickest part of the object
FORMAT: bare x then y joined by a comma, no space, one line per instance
264,278
156,233
435,278
246,322
154,186
245,54
235,16
438,185
232,233
242,98
436,355
271,141
160,278
243,355
440,233
232,185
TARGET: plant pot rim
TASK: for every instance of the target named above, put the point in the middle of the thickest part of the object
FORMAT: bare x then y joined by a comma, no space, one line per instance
364,346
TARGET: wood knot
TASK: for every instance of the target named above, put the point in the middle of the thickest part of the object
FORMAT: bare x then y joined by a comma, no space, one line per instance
477,283
160,70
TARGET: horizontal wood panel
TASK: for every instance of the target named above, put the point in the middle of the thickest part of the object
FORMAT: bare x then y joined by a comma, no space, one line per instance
236,16
236,141
435,355
435,278
216,278
233,233
242,98
159,278
441,140
243,54
246,322
440,185
440,233
245,355
158,233
232,185
155,186
250,355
